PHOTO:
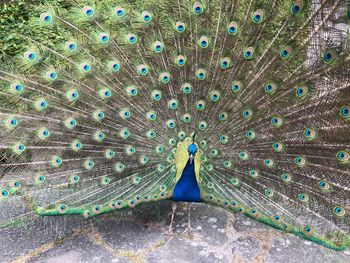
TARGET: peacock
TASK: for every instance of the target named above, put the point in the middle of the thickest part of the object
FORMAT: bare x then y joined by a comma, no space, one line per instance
241,104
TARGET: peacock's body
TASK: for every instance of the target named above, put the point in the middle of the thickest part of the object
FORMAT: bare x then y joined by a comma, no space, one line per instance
99,111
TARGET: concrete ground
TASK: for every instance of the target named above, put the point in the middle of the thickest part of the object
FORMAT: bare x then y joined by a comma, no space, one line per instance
137,235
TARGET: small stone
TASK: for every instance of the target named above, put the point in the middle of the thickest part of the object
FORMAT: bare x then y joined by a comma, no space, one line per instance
221,230
212,220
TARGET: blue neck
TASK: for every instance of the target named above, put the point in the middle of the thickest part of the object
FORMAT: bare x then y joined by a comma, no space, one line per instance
187,189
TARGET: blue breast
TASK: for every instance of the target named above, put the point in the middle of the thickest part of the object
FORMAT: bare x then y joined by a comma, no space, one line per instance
187,189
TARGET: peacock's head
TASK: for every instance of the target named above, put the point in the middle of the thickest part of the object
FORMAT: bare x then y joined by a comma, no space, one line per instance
192,148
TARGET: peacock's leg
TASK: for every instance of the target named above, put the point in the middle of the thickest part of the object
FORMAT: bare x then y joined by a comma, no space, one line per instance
170,231
189,205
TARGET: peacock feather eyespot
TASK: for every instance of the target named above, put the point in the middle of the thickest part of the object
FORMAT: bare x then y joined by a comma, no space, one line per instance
276,218
308,230
72,95
248,53
103,38
11,122
250,134
62,208
253,212
236,86
120,204
164,77
232,28
170,124
18,148
85,67
173,104
180,26
172,142
109,154
269,162
30,55
180,60
104,181
157,46
156,95
186,118
119,11
285,52
40,104
301,91
114,66
161,168
181,135
235,181
56,161
151,134
76,145
15,185
247,113
143,159
215,95
329,56
258,16
151,115
297,7
339,211
243,155
51,75
225,63
300,161
343,156
39,179
71,46
131,38
214,153
129,150
323,185
345,112
286,177
16,88
223,138
201,74
131,90
146,16
46,18
203,42
43,133
310,134
98,115
73,179
270,87
269,192
223,116
227,164
304,198
202,125
200,105
105,93
277,121
89,164
70,123
119,167
88,11
159,149
277,146
99,136
197,8
186,88
125,113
